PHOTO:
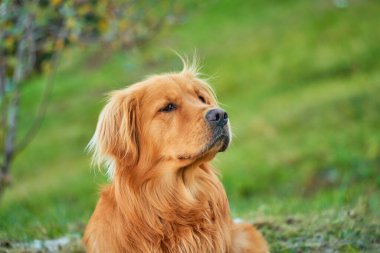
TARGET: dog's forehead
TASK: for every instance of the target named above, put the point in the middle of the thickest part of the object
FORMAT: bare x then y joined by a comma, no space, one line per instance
171,83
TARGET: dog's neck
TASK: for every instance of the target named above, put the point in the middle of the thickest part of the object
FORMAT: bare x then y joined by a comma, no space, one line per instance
171,191
176,206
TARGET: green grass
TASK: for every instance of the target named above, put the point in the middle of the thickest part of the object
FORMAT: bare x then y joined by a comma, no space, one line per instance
301,84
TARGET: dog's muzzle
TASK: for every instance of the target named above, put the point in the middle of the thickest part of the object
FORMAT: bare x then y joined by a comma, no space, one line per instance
217,120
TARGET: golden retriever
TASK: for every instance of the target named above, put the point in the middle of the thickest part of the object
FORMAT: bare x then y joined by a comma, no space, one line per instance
157,138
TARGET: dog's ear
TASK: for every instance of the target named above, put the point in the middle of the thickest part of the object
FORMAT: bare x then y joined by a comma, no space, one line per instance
116,139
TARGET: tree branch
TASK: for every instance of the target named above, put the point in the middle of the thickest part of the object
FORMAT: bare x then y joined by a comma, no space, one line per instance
10,138
41,111
13,106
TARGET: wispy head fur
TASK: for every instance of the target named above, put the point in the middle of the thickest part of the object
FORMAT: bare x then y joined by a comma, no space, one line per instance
191,65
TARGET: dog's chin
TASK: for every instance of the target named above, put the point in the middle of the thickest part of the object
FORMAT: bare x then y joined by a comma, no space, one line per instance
218,143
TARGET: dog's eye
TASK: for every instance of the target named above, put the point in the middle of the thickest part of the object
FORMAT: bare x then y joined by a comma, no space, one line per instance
201,98
169,107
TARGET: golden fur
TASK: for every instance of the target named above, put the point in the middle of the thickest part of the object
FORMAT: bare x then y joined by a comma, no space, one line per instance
164,195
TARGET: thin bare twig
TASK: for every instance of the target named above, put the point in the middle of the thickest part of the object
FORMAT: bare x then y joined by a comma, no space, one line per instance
41,111
24,57
9,139
42,108
12,112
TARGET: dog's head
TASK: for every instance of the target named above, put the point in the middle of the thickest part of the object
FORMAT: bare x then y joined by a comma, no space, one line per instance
170,119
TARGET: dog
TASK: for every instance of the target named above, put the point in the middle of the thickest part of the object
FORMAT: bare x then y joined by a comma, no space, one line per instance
157,138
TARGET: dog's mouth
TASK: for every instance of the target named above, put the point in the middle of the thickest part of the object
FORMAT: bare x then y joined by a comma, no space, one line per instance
218,143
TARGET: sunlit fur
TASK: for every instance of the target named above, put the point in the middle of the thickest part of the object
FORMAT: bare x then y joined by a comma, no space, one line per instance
164,195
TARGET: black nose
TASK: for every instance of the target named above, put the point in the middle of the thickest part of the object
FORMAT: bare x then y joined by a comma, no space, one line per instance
217,117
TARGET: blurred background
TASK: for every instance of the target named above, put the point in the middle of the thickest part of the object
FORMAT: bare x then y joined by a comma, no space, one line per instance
299,79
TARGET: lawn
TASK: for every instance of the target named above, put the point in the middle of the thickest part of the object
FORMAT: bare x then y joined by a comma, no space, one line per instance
301,83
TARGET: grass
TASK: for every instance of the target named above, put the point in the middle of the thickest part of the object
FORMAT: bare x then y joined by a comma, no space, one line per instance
301,84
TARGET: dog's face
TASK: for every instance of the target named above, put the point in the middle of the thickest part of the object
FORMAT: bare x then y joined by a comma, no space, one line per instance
170,118
179,117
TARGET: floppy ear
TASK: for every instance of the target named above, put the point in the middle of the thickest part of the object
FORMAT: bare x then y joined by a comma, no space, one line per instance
116,137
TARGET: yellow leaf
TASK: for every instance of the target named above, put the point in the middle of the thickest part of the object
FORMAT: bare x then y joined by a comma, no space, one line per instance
123,25
9,42
46,67
84,9
73,38
55,2
70,23
103,25
59,44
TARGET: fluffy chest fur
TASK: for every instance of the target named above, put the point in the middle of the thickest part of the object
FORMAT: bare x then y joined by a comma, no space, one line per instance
192,216
185,213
